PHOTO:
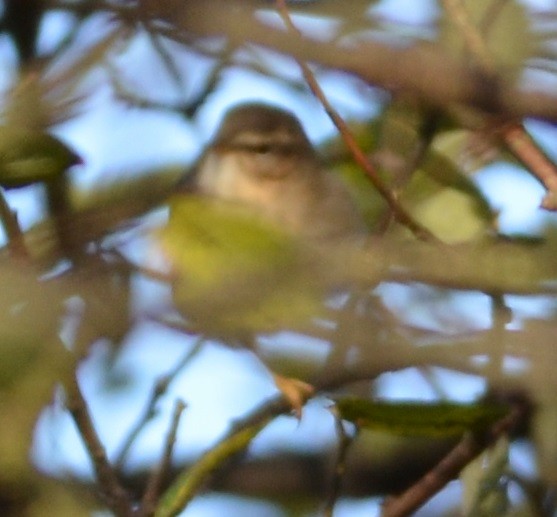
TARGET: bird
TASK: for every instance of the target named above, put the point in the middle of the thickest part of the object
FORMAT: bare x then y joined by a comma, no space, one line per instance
248,230
262,158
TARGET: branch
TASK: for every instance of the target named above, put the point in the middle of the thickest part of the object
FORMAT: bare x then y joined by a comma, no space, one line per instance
447,469
189,481
116,497
513,135
158,391
421,69
155,483
344,442
524,148
14,235
400,214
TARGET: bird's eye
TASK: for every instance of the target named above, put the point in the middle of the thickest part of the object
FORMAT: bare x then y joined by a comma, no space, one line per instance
262,149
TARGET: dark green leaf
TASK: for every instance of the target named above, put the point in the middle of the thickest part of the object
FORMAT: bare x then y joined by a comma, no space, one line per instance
28,156
420,418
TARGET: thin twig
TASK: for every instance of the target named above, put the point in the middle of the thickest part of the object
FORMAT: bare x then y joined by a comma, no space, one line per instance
447,469
523,147
344,442
513,135
159,389
114,494
400,214
154,485
501,314
245,429
14,235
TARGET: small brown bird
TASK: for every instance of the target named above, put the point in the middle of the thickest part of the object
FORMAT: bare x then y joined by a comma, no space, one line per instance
262,158
247,248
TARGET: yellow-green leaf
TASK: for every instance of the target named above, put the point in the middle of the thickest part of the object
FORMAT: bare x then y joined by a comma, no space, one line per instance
419,418
28,156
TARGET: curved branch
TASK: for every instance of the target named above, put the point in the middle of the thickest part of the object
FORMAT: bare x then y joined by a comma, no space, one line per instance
421,69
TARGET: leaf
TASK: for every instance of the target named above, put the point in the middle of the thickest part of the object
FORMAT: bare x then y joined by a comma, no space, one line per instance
28,156
420,418
504,28
545,420
432,184
32,362
447,202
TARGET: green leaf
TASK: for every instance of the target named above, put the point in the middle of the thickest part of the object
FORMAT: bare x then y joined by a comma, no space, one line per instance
28,156
504,28
446,201
436,191
32,362
419,418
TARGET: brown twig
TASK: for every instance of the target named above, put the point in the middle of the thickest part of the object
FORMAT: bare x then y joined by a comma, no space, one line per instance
159,389
114,494
371,60
514,135
14,235
523,147
400,214
447,469
344,442
155,483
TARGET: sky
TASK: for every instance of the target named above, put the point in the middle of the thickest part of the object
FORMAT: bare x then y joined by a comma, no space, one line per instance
108,135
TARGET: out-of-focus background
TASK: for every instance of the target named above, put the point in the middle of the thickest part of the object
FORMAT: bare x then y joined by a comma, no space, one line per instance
136,88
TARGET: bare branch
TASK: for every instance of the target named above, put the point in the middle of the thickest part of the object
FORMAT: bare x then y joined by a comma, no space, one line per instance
116,497
514,135
155,483
447,469
158,391
420,69
14,235
400,214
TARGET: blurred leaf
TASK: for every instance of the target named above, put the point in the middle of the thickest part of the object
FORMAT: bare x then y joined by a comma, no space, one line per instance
28,156
336,155
369,202
504,27
484,491
420,418
431,183
32,360
53,93
147,188
544,425
447,202
236,273
55,499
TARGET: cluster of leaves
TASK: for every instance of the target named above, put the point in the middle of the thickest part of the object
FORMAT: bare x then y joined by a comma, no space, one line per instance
68,276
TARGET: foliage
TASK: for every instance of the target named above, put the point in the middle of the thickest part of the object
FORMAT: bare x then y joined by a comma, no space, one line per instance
422,110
